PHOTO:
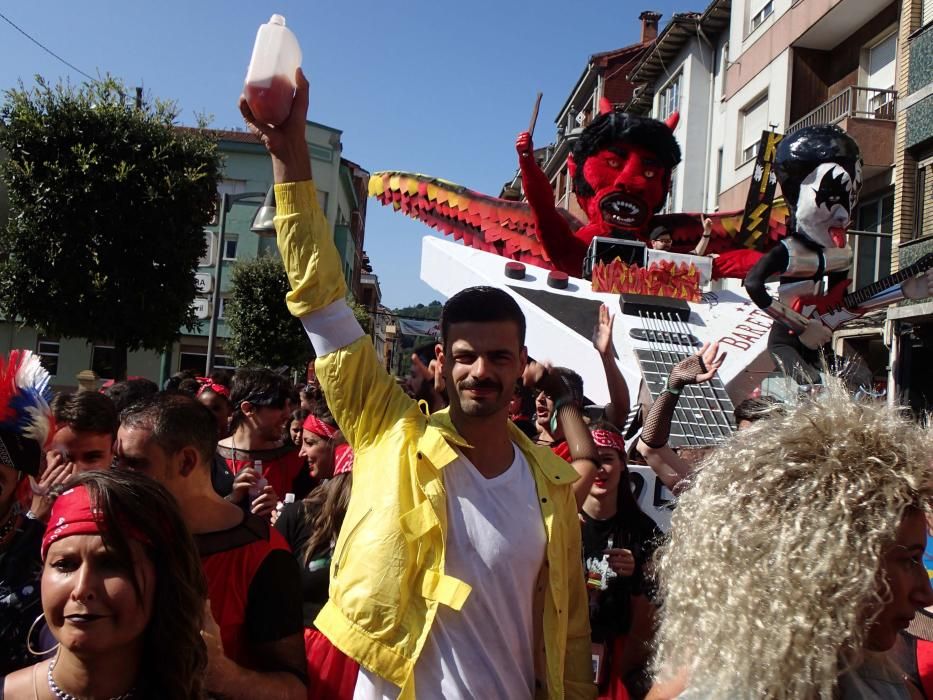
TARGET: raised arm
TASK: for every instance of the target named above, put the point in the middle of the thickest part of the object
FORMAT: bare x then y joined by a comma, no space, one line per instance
652,444
362,396
617,409
583,453
704,239
564,249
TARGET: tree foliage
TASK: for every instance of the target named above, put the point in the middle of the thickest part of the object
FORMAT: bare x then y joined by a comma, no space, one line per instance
431,312
262,331
107,208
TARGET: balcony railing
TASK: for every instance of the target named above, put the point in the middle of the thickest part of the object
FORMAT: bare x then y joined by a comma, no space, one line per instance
862,102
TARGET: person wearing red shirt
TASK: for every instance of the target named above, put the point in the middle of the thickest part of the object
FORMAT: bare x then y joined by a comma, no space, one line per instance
253,624
260,413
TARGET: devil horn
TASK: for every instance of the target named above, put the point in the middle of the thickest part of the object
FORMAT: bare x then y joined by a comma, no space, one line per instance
672,120
605,106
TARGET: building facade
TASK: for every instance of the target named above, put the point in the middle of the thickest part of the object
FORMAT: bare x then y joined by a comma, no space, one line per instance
909,326
341,186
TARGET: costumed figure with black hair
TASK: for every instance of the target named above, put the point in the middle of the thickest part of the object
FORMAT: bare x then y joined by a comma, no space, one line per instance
819,169
25,427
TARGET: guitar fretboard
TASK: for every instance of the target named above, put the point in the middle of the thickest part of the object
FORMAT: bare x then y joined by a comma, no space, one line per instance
704,414
860,296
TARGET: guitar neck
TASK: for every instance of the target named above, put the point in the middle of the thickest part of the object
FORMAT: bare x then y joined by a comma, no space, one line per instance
860,296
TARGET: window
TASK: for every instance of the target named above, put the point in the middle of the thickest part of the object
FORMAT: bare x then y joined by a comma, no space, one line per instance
759,15
670,202
222,311
871,254
880,61
230,187
669,98
197,361
230,248
718,175
923,199
207,260
754,120
47,350
102,361
322,198
723,67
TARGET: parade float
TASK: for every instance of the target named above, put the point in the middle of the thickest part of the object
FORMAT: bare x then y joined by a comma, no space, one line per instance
560,269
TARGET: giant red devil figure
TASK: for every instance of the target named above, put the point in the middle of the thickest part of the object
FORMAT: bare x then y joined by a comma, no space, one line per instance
620,168
621,171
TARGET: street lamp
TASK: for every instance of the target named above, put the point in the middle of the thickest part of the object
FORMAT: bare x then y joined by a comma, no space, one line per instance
262,225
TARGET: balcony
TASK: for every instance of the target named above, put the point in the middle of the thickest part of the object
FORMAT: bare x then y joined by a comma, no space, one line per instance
867,115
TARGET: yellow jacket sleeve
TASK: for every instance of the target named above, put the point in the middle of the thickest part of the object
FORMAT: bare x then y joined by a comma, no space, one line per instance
307,248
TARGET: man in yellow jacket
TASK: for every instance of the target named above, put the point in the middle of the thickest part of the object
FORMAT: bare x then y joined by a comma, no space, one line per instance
457,572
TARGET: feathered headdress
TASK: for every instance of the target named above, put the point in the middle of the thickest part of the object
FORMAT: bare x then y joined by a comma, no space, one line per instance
26,422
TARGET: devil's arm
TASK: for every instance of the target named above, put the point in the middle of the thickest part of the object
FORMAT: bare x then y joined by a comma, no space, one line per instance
562,247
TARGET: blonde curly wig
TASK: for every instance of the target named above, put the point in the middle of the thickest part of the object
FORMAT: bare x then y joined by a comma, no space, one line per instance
775,549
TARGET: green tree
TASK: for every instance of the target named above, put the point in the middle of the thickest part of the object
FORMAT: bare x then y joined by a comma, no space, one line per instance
431,312
107,207
262,331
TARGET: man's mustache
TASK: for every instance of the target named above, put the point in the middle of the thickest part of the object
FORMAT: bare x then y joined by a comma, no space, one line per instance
486,384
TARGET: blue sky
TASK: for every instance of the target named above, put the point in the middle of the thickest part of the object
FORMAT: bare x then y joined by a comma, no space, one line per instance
440,88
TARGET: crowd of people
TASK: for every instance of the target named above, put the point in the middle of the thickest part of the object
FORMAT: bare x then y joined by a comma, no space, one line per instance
471,534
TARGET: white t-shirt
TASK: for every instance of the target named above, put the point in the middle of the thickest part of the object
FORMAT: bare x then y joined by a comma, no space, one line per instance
495,542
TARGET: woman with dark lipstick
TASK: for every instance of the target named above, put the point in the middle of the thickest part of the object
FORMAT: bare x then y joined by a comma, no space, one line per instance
122,593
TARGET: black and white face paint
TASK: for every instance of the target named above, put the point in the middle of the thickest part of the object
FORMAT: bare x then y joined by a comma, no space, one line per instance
826,203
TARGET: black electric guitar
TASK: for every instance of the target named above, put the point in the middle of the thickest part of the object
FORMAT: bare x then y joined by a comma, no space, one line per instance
851,303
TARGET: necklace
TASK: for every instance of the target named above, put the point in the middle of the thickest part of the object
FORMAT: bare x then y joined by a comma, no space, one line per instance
62,695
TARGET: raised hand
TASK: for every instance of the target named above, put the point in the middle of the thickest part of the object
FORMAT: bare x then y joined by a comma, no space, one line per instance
58,470
286,142
602,333
697,368
523,145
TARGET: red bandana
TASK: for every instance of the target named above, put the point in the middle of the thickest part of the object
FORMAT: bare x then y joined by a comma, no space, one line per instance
72,514
343,459
315,425
207,384
608,438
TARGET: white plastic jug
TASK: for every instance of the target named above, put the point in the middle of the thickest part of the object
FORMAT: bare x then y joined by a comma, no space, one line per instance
270,78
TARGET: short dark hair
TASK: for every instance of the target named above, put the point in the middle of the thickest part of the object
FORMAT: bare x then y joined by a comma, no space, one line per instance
176,421
129,391
573,381
756,409
260,387
86,412
481,305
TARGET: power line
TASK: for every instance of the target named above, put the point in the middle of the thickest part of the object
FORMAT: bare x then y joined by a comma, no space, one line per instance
45,48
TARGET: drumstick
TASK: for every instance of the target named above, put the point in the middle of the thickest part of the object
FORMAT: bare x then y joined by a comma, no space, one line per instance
534,115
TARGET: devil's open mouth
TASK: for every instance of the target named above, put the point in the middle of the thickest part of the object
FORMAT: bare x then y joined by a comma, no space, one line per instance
623,211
